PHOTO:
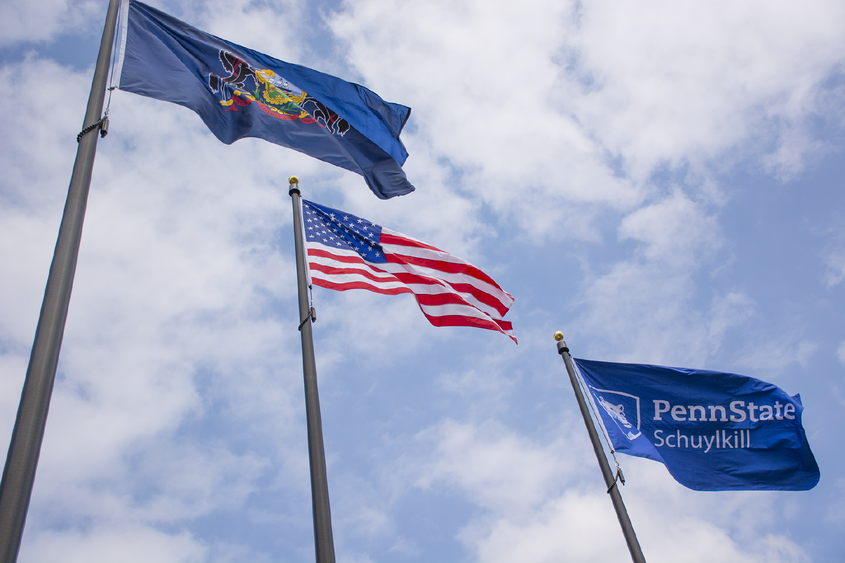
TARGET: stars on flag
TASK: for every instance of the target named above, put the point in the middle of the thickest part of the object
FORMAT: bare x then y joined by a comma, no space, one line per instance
346,252
343,231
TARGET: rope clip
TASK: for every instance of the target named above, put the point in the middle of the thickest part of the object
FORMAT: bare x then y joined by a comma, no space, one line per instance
619,477
103,124
312,314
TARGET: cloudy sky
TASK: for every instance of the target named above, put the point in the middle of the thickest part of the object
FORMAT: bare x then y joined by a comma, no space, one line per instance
662,181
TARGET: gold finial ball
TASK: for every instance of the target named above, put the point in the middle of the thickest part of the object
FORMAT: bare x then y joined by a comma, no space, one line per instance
293,180
558,336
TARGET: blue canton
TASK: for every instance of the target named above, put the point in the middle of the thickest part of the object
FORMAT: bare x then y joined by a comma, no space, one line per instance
337,229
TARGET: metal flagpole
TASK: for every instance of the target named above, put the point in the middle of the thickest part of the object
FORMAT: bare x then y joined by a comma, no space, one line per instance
321,510
612,489
28,433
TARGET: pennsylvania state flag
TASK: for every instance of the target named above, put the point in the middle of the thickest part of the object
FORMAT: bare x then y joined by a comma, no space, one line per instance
240,93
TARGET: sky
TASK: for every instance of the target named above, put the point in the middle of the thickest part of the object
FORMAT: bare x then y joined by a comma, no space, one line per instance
661,181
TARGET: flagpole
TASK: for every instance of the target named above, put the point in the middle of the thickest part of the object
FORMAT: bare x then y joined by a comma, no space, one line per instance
28,433
321,509
609,480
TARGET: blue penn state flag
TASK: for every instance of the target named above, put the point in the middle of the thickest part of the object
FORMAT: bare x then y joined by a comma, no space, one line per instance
240,93
713,431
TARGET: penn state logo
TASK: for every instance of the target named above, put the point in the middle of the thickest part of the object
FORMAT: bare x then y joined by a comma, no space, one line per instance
622,408
274,95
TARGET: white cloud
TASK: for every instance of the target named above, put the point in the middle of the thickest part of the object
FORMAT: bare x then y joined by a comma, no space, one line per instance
652,290
727,312
41,156
583,527
267,27
106,542
495,467
179,394
173,324
544,502
675,232
41,21
680,82
583,105
834,259
777,353
575,526
480,82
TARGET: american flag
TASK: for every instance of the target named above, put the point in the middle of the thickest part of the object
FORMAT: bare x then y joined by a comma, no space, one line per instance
347,252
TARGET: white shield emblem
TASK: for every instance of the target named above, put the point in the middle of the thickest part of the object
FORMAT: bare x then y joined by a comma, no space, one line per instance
622,408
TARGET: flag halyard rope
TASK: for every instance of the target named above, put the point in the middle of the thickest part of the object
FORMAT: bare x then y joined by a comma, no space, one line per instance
619,476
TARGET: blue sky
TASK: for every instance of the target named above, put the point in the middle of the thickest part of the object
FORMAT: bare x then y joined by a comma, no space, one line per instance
662,181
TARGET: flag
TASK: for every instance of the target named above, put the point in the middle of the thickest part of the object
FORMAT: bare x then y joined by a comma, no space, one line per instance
347,252
713,431
240,93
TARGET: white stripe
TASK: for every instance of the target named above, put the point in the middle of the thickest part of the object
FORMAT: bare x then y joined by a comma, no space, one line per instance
442,282
308,280
362,267
121,42
424,253
425,289
495,292
451,311
421,253
422,271
440,286
417,252
356,278
459,311
455,312
337,251
454,309
447,276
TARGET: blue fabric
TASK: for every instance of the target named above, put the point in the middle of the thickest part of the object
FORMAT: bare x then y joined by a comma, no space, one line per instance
713,431
240,93
342,230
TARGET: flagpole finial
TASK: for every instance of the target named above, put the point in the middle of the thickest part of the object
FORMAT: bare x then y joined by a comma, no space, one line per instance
561,345
294,185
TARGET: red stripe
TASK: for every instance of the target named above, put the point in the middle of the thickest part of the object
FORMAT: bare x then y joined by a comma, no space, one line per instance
330,270
440,266
323,275
387,238
407,278
449,267
422,298
479,294
339,257
440,321
359,285
456,320
444,299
